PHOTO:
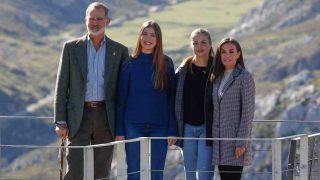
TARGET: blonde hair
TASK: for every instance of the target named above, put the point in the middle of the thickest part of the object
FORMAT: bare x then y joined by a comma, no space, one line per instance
194,33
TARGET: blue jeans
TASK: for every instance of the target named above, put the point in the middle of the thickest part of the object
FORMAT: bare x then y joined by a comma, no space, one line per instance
197,155
158,149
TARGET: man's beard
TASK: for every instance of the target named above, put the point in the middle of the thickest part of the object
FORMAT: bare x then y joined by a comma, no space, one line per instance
95,33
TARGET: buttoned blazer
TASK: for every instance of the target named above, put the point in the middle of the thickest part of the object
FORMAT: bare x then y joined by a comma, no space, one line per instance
232,117
72,77
180,74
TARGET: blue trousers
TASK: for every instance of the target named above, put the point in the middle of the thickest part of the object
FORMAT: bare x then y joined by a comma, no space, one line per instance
158,149
197,155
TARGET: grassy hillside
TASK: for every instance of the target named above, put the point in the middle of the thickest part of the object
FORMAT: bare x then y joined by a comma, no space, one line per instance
36,60
178,21
27,72
29,63
31,36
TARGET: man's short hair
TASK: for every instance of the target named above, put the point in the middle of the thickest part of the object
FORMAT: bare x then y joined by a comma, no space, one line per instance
97,5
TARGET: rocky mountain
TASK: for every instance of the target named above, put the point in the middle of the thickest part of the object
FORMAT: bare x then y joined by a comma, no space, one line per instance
31,35
276,15
25,18
281,43
285,35
280,39
33,17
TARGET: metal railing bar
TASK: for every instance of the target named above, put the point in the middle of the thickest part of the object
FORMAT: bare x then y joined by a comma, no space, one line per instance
258,172
14,177
221,139
280,170
313,135
110,177
88,146
26,117
155,138
291,121
253,150
257,121
290,137
135,172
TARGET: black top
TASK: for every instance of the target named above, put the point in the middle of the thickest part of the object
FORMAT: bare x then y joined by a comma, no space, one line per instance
193,95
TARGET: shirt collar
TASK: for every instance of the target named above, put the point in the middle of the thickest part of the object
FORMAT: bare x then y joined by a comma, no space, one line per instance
101,43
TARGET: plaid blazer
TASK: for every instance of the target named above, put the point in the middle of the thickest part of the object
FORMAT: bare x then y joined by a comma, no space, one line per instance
232,117
181,73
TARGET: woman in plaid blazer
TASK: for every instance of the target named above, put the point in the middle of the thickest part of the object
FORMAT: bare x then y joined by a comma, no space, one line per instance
233,99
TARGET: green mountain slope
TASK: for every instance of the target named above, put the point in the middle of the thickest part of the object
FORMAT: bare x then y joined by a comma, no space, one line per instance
280,40
34,59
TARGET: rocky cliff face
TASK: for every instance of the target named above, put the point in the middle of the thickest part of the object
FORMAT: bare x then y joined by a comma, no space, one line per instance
283,36
285,61
31,34
277,14
281,41
298,101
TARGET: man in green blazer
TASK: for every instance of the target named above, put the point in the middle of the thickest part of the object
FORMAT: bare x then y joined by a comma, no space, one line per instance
86,91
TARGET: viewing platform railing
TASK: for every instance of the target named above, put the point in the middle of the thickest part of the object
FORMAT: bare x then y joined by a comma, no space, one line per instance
298,160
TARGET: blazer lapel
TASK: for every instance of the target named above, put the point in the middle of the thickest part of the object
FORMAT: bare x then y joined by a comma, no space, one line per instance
109,60
182,78
81,52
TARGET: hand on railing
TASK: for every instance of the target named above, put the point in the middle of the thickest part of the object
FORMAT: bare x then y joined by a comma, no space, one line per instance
239,151
119,138
62,130
171,140
212,77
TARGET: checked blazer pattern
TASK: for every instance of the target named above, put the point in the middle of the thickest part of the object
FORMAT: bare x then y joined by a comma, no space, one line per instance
180,76
232,117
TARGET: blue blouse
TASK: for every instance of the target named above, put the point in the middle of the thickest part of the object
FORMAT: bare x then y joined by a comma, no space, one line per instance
139,102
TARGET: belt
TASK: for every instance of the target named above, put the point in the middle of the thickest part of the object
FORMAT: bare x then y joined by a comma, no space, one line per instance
94,104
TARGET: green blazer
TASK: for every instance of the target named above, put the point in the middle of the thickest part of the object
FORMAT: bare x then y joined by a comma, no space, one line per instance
72,77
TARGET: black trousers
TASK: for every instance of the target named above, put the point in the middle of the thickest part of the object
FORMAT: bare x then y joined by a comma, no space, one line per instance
230,172
94,129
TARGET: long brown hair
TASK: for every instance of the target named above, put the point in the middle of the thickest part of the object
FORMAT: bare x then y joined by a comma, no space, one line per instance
219,67
194,33
160,75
